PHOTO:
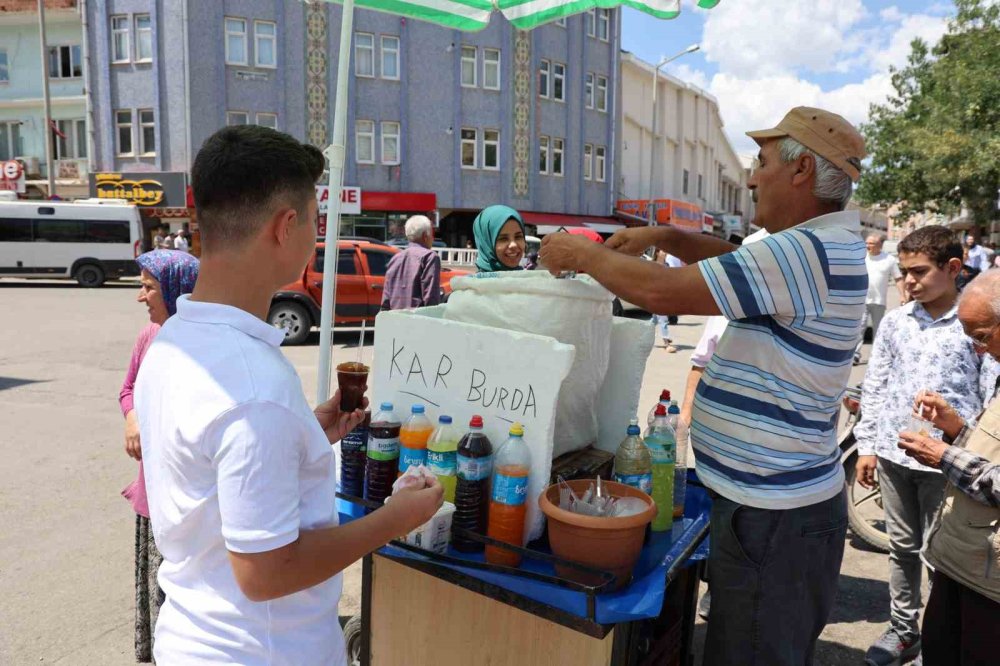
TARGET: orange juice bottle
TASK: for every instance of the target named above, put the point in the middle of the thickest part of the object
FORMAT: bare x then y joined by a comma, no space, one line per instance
511,470
413,438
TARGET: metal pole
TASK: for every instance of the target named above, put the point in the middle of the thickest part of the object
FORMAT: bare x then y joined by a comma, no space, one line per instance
335,153
48,103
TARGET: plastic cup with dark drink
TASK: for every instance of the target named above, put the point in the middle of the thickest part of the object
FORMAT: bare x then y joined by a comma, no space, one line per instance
351,378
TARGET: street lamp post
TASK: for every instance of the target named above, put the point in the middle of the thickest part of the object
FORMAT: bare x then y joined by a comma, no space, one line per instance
652,134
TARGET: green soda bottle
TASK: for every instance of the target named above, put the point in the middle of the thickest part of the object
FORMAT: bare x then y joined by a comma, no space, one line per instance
662,444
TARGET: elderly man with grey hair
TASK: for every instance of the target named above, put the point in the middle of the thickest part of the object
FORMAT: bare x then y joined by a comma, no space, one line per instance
763,423
882,268
413,278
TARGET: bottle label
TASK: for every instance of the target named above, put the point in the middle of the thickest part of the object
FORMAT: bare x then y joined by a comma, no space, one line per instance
474,469
411,458
355,441
383,448
662,455
643,482
442,463
510,490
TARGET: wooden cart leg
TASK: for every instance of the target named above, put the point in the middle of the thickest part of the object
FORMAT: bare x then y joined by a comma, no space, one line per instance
366,610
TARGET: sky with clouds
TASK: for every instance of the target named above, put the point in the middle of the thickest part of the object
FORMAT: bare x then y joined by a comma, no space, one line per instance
759,58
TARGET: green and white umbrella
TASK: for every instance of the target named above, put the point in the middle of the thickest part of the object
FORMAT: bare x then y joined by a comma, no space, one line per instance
468,15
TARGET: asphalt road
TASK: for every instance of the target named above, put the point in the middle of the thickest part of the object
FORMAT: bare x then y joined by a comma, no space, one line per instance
66,549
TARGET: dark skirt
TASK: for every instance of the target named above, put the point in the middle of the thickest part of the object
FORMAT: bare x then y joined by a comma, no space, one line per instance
148,595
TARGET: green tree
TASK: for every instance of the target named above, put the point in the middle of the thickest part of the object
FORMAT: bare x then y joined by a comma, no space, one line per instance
935,143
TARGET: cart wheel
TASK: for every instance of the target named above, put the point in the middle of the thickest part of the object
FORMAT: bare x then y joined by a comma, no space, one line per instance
352,638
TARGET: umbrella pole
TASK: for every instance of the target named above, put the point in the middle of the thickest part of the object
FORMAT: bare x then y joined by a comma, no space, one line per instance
335,154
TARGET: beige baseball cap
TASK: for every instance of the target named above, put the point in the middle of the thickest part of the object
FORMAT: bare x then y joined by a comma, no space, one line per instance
826,134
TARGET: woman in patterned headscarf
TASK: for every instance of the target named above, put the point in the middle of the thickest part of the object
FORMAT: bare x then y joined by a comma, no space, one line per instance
166,274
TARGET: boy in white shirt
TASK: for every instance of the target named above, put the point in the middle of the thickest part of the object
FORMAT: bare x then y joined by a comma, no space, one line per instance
240,472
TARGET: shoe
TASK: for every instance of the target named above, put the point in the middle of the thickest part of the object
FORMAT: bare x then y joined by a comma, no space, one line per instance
705,605
857,358
892,649
671,349
919,661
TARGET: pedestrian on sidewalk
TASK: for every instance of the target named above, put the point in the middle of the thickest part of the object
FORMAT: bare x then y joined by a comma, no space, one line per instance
764,417
882,268
165,276
413,277
979,256
920,346
664,321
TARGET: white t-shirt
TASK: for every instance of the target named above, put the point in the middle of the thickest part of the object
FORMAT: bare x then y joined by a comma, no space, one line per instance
703,352
181,243
234,460
881,268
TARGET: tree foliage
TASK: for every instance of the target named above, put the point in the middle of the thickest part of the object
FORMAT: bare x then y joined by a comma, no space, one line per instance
935,143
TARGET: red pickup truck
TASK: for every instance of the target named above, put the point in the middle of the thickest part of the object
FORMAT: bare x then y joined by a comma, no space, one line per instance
361,266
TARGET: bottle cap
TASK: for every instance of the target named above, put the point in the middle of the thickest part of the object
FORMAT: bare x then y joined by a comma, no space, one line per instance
445,419
660,411
517,430
417,409
633,430
665,395
386,407
476,422
674,409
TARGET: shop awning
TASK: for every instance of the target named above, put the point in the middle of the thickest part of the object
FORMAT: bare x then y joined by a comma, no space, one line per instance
549,223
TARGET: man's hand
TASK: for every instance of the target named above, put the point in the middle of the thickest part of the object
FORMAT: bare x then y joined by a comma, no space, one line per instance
925,450
413,507
336,423
864,472
936,409
132,446
633,241
565,252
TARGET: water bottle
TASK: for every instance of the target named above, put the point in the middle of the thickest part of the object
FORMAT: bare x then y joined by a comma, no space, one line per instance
472,488
661,442
681,436
383,454
633,464
511,469
664,400
441,456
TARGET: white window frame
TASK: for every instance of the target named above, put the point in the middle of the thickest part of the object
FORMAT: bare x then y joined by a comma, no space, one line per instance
75,129
12,130
588,90
601,92
389,50
603,24
258,38
231,115
125,32
358,48
488,64
364,130
119,126
544,151
600,163
495,142
465,60
144,150
561,21
391,125
264,114
463,142
140,33
590,21
588,161
561,78
73,48
239,34
545,74
558,148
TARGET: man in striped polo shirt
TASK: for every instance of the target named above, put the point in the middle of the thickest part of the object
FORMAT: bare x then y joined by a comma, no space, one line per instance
765,414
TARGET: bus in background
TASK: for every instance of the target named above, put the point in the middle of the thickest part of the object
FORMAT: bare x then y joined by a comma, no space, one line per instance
85,240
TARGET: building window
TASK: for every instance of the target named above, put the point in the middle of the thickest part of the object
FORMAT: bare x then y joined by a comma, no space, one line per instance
491,149
491,69
119,39
561,21
684,187
700,190
557,157
236,41
599,161
559,82
543,155
71,139
470,140
603,24
123,123
10,140
143,38
147,132
364,141
390,58
364,54
589,20
268,120
468,66
588,90
544,67
65,62
237,118
265,43
4,67
390,143
602,93
588,161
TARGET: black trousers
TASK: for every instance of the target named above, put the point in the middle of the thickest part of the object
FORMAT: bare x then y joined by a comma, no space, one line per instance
961,627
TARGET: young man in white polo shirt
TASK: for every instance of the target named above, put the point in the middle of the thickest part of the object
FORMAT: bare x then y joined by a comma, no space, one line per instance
765,412
239,470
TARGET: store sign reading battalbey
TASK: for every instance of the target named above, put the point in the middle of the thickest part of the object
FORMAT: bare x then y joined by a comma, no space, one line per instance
153,189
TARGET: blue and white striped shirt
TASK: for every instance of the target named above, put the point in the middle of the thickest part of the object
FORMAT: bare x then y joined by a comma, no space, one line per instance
764,423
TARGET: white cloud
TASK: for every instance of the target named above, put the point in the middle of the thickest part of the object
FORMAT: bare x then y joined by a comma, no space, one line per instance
922,26
891,14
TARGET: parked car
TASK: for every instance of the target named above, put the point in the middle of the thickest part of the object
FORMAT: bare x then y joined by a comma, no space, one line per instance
361,267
